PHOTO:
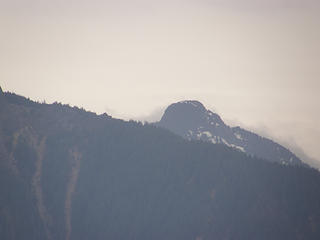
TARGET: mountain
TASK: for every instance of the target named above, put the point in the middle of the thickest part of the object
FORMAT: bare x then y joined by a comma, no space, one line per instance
66,173
192,121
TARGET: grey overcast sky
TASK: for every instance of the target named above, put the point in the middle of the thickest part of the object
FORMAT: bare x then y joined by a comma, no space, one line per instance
255,62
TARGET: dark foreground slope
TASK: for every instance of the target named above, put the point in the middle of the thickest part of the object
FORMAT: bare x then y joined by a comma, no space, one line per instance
70,174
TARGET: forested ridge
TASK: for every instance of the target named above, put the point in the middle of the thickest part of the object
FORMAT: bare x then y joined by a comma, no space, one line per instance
66,173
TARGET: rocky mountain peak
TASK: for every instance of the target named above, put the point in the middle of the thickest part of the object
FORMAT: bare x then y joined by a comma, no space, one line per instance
191,120
186,115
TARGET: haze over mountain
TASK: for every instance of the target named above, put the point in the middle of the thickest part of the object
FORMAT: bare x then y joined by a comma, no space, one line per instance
191,120
66,173
80,169
256,60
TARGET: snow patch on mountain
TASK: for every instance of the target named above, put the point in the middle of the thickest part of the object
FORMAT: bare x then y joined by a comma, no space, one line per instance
238,136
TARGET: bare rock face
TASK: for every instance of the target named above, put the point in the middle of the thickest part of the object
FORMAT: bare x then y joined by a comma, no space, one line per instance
191,120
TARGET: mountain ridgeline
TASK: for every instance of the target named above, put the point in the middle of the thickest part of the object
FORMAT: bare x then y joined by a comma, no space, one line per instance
191,120
66,173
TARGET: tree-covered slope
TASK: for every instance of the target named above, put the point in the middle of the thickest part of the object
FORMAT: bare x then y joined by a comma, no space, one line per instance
71,174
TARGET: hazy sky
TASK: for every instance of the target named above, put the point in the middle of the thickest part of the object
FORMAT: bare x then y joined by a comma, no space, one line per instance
255,62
